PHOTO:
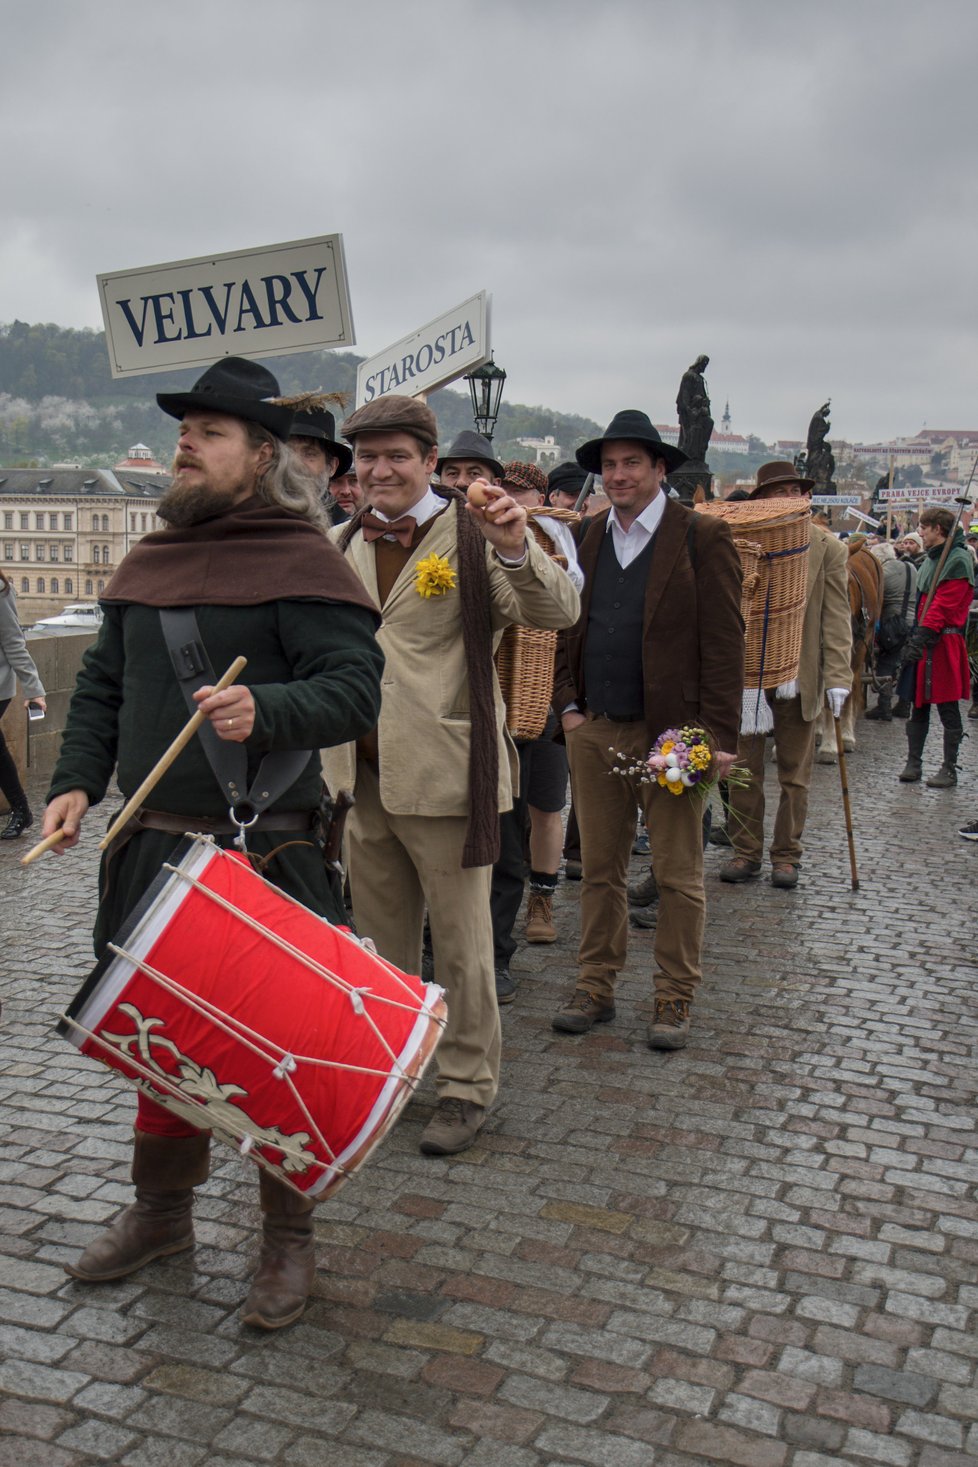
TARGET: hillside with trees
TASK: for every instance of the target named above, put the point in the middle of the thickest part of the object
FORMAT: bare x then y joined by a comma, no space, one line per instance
59,403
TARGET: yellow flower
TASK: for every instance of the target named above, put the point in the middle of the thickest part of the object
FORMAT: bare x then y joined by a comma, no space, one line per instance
661,779
434,576
675,786
667,747
699,756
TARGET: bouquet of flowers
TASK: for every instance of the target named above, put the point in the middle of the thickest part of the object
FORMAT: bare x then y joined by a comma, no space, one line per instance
681,759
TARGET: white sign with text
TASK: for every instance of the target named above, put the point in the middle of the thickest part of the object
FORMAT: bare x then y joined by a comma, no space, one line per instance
432,357
840,499
263,302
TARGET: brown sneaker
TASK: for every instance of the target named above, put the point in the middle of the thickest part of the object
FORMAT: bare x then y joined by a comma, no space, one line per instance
540,916
453,1127
669,1028
582,1013
785,875
740,868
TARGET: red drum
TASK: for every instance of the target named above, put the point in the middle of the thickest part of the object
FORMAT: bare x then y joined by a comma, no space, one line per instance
242,1012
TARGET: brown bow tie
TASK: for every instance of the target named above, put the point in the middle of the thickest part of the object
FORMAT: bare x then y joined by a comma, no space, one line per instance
402,530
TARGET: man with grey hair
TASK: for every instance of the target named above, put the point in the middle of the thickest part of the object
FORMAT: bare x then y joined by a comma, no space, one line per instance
247,565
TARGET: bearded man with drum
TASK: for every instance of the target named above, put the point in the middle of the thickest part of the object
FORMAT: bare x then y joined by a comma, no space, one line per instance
246,556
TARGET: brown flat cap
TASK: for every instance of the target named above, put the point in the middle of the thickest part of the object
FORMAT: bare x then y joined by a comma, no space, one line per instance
393,414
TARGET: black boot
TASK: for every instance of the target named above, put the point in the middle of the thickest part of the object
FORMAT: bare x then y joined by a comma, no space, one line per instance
947,776
165,1170
287,1266
916,739
902,708
20,819
884,707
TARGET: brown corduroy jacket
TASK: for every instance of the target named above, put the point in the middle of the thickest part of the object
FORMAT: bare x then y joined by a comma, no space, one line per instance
693,635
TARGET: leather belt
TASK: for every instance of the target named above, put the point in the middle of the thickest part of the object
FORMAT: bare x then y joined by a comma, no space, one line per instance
206,825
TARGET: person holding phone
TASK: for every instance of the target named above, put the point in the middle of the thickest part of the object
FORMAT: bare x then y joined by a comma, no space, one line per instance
16,664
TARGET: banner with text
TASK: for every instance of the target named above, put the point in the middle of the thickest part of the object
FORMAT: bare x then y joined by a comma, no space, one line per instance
252,303
830,499
431,357
917,492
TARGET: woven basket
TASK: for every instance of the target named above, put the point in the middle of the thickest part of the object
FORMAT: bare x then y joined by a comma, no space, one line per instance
525,656
750,555
782,528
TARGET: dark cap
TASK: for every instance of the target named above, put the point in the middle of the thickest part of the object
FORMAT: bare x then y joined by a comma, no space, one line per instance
393,414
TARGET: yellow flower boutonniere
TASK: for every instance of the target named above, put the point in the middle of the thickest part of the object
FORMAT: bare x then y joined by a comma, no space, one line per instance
433,576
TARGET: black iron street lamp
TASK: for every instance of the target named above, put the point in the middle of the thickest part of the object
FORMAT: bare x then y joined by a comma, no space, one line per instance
486,388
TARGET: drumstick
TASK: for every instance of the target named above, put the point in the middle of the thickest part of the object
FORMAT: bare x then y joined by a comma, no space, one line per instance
162,765
47,844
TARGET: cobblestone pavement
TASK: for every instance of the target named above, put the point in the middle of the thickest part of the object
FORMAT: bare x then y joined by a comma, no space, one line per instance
761,1250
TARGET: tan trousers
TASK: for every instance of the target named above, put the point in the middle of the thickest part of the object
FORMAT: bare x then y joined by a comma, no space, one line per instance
605,805
794,742
398,865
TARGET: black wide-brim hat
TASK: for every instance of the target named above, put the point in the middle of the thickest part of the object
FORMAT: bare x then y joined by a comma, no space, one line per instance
469,445
322,426
236,386
635,427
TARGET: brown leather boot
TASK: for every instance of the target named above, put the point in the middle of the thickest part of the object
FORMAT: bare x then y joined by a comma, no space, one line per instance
165,1170
540,915
287,1265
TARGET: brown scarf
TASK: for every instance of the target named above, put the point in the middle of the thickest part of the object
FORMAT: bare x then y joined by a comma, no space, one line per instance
482,832
256,553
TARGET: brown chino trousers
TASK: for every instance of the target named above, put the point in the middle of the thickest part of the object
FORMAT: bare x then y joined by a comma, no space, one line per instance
794,745
605,803
398,865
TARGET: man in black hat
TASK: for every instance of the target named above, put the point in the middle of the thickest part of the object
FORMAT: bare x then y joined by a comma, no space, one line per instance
564,485
792,711
246,562
313,441
469,458
659,644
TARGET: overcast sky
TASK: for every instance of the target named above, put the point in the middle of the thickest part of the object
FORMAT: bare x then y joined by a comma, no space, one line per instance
788,187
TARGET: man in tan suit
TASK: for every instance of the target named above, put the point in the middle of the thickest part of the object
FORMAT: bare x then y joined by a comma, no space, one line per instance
431,781
824,674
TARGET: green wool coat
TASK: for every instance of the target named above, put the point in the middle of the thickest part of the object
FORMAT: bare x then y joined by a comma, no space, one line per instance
314,670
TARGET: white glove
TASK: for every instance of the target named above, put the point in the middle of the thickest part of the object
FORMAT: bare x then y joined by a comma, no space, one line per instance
836,697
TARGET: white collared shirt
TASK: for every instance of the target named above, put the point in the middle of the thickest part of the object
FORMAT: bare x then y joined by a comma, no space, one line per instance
564,541
426,508
630,543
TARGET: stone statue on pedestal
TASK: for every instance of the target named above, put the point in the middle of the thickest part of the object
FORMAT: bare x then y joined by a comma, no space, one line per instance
695,430
819,460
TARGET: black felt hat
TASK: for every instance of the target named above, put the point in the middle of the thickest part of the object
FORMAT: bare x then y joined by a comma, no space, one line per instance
471,445
238,387
636,427
566,478
320,424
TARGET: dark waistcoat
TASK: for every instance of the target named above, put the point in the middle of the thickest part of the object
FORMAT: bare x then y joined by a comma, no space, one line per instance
613,677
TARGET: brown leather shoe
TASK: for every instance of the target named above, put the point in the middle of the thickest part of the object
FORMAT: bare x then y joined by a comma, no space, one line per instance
740,868
540,916
785,875
453,1127
287,1265
582,1013
669,1028
159,1222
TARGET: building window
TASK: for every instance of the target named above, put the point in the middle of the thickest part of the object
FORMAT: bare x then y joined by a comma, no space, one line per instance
25,551
69,587
68,521
54,585
52,552
95,523
145,521
8,520
69,553
25,585
105,523
132,521
95,554
39,521
8,551
105,555
88,588
25,522
101,587
40,585
39,550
